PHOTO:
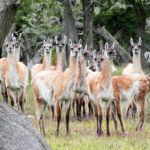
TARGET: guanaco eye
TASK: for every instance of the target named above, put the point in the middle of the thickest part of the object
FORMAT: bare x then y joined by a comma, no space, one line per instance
72,48
13,45
139,46
132,46
102,59
110,53
57,44
44,47
95,59
63,44
6,45
50,47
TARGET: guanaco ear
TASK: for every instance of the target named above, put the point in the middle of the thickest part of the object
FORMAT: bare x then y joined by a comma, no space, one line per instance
14,39
106,46
103,52
113,45
65,39
56,40
19,37
80,42
94,53
6,41
85,48
44,42
51,41
140,41
131,41
70,42
12,36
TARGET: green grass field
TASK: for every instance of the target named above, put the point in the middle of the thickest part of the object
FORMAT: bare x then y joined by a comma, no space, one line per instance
83,134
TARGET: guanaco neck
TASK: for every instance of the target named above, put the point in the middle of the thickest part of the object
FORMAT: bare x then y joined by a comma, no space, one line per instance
73,64
59,61
17,51
12,62
98,68
82,68
106,72
47,62
137,63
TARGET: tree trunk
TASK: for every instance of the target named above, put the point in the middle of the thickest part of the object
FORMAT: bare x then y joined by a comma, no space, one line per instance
109,38
88,24
68,27
140,10
17,133
36,59
8,10
141,17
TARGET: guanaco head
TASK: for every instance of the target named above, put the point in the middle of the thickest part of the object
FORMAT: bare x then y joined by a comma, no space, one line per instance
110,52
136,47
75,48
47,46
92,57
16,40
99,60
60,45
85,53
9,46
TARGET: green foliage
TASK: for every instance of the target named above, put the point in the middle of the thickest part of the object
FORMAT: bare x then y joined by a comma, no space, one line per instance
38,20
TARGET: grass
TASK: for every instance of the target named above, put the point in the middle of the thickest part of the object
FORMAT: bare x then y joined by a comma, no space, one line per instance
83,134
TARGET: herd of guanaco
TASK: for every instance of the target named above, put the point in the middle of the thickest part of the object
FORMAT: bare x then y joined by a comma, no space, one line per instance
88,79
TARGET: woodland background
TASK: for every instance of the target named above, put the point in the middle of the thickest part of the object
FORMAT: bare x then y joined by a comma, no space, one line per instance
94,21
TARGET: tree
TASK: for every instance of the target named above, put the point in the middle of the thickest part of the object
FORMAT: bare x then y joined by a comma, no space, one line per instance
142,13
109,38
8,10
68,26
88,23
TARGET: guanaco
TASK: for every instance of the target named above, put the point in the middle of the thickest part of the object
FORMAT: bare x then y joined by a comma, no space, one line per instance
54,86
60,51
59,62
80,88
125,88
132,68
100,88
16,78
4,63
98,63
47,61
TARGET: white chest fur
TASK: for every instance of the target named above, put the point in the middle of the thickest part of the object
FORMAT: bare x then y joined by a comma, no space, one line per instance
106,94
13,78
131,93
69,90
45,93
